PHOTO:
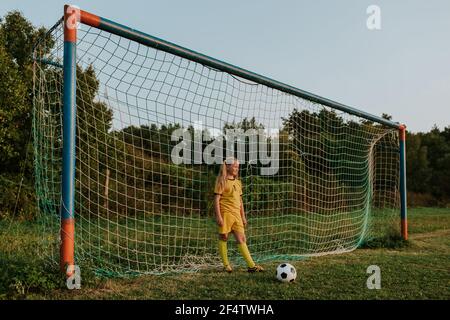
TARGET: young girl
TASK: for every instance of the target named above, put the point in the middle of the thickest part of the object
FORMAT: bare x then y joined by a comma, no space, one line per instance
230,215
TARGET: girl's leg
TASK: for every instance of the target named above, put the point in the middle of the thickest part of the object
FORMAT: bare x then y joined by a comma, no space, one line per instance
242,245
223,251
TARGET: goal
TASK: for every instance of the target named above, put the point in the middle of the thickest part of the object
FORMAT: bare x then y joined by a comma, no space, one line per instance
129,134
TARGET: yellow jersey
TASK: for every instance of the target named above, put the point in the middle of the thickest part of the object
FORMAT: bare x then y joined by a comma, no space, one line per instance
230,200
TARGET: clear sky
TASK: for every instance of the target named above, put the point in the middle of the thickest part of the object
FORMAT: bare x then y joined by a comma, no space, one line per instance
323,47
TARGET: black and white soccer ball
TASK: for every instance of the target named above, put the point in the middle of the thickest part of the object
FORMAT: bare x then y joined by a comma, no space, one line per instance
286,272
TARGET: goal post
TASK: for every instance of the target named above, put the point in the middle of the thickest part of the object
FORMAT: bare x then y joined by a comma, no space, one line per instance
69,124
403,203
106,154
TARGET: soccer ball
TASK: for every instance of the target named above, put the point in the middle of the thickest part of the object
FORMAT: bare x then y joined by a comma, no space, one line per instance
286,272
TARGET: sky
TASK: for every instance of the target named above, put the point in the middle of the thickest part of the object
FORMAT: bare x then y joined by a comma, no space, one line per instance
323,47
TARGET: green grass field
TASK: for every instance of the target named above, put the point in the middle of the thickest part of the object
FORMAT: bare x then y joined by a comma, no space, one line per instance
418,270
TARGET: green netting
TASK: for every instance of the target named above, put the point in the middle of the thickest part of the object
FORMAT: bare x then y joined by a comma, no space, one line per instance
334,183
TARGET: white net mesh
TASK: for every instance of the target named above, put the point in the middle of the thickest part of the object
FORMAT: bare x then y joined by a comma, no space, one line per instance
333,184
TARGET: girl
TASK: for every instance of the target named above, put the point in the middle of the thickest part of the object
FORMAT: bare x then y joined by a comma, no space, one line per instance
230,215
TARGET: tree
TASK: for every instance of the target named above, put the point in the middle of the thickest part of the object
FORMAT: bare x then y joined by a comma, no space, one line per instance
17,36
13,106
245,125
417,165
438,156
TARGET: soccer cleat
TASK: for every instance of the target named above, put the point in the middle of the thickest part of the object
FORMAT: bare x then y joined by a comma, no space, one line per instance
228,269
256,268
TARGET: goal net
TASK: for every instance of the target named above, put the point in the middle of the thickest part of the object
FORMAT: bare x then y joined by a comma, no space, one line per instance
152,129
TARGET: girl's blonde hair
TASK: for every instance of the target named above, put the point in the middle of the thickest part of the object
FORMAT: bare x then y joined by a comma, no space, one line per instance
222,177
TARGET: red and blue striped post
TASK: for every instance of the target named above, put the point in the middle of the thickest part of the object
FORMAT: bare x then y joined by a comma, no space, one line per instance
67,249
403,204
72,17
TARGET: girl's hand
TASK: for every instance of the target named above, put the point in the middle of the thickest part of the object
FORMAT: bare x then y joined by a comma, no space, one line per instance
244,221
219,221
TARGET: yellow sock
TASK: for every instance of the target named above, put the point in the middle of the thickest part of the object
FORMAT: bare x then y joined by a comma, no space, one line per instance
246,254
223,252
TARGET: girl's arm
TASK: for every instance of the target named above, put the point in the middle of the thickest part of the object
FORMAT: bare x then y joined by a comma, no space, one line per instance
244,219
219,219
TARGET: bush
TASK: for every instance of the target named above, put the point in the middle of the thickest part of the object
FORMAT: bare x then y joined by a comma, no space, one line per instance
417,199
391,240
12,194
20,278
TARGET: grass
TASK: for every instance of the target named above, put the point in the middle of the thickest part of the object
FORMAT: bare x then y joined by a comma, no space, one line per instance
418,269
155,243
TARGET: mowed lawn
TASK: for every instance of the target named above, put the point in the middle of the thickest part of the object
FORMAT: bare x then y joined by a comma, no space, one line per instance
418,270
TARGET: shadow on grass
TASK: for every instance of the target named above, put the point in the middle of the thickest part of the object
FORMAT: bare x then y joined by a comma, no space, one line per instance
389,241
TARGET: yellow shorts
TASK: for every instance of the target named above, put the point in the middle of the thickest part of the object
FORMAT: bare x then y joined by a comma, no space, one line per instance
231,223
